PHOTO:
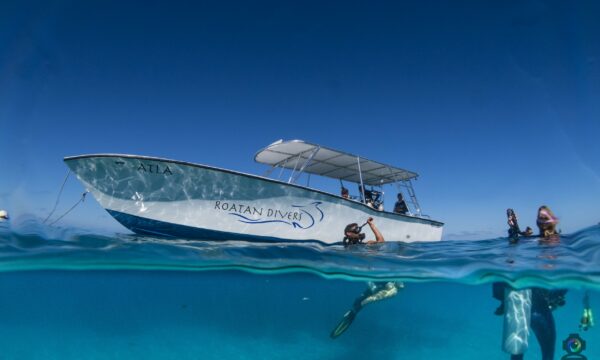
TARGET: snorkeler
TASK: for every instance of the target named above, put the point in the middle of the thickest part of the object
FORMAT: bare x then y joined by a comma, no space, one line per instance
546,222
529,308
353,234
375,291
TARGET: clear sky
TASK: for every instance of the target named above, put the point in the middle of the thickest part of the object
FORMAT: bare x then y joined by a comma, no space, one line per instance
494,104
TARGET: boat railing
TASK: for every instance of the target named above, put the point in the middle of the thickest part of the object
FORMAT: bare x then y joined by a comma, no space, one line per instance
402,185
306,163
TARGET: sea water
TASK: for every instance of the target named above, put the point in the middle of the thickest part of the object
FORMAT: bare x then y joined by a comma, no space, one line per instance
69,294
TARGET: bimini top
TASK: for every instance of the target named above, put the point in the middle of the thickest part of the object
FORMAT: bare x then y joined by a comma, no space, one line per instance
319,160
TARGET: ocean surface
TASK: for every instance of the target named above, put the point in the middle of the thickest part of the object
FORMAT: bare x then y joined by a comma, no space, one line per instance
69,294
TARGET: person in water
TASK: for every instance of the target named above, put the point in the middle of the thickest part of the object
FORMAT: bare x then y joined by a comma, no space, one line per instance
353,234
546,222
375,291
543,301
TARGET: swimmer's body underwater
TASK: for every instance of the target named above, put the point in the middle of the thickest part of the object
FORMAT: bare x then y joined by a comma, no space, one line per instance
375,291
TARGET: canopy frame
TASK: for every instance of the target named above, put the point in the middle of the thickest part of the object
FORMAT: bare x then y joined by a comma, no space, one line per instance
301,157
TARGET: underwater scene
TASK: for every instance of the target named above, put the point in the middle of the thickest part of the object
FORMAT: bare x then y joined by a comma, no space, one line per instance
229,155
70,294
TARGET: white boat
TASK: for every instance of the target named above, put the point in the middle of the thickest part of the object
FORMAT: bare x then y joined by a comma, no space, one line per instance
178,199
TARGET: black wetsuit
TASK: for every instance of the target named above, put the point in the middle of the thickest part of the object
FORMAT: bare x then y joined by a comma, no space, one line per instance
543,301
514,231
374,289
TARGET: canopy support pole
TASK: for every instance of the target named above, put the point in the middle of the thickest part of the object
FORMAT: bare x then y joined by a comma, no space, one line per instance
295,166
362,186
306,163
281,171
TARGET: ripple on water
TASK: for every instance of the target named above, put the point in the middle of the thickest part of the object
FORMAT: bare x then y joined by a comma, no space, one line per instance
574,262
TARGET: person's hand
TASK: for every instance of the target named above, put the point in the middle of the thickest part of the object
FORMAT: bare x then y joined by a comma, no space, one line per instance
370,221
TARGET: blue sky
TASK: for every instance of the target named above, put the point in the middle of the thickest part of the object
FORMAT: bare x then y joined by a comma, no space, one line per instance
495,105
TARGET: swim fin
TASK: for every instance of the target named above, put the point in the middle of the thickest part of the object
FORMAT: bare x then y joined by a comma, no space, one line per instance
344,324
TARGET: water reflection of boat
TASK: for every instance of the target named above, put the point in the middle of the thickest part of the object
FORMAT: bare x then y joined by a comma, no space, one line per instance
179,199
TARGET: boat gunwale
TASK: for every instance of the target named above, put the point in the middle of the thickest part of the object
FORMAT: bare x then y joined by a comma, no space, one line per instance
234,172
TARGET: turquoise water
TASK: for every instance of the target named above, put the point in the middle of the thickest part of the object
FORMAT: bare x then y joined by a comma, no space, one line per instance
68,294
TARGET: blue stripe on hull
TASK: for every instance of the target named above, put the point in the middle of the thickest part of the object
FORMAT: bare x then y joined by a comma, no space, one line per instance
144,226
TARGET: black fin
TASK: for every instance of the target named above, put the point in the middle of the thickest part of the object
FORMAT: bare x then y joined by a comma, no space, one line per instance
344,324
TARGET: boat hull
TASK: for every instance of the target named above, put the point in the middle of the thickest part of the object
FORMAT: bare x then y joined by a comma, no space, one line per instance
183,200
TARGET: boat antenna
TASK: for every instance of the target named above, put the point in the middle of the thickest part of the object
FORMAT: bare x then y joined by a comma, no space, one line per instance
362,185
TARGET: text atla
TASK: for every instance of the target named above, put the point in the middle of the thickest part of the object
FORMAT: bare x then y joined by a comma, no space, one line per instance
154,169
258,211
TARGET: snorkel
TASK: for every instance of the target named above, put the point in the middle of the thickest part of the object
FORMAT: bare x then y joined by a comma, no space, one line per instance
545,216
550,219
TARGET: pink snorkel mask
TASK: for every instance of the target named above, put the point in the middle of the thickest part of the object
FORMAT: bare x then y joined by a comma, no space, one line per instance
550,218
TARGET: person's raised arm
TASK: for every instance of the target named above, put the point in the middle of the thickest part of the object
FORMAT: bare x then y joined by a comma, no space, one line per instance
378,235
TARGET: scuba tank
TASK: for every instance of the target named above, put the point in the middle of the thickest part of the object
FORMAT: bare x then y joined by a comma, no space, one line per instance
517,315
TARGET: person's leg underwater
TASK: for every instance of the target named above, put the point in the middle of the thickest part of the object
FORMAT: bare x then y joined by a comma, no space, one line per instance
542,324
376,291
